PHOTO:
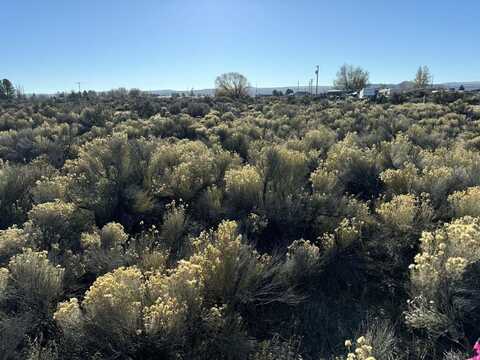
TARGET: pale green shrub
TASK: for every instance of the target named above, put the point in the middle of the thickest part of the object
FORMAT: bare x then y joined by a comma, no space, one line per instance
319,139
278,349
174,230
303,260
50,189
284,171
243,187
57,225
401,181
4,277
324,181
34,278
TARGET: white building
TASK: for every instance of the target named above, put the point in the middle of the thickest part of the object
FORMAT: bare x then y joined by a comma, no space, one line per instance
368,92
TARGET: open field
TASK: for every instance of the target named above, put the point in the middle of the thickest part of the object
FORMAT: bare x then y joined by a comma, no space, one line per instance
138,227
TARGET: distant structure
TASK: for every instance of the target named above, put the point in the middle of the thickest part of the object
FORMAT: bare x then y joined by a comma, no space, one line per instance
336,93
301,93
369,92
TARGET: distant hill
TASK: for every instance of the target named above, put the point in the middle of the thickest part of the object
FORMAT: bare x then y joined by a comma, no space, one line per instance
469,85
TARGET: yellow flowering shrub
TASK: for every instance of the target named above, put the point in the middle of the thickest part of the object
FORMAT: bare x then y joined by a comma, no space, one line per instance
217,253
448,168
68,315
116,298
361,350
103,250
445,253
180,170
175,295
230,269
399,213
155,260
438,181
400,150
165,316
347,232
112,236
466,202
91,240
354,166
440,266
12,240
344,153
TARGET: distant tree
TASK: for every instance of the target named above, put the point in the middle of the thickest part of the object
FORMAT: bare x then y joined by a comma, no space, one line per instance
351,78
134,92
423,78
19,92
289,92
461,88
231,84
277,93
7,90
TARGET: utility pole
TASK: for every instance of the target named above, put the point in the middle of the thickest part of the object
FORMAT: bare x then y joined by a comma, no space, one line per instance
298,85
316,86
79,89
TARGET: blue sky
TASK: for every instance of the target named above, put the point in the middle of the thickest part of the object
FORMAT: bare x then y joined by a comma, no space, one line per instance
48,45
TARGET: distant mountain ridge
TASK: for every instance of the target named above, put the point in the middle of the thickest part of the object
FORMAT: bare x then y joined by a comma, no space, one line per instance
468,85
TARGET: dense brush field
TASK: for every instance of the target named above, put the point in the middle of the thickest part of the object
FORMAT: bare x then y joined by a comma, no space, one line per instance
135,227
